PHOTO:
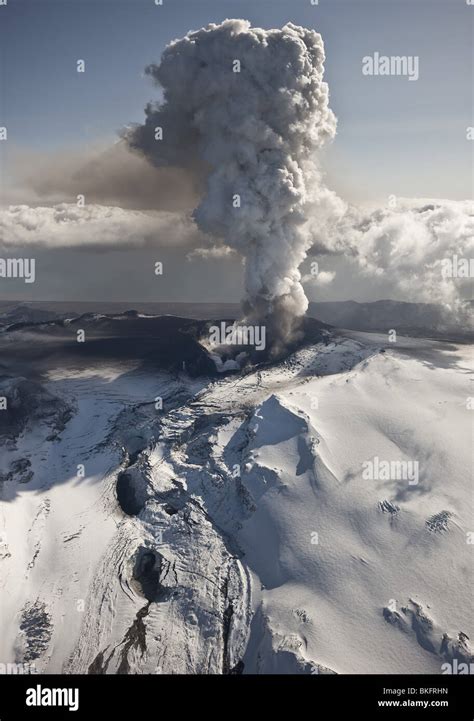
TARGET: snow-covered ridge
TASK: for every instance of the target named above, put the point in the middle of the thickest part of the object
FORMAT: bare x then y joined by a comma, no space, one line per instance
235,529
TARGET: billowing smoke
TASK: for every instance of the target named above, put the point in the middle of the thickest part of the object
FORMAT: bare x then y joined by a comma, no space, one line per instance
412,249
248,109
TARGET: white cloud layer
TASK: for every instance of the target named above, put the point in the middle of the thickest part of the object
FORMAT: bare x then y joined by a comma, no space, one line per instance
398,252
406,247
93,226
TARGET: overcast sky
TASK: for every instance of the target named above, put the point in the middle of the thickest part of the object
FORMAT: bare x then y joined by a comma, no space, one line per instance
395,137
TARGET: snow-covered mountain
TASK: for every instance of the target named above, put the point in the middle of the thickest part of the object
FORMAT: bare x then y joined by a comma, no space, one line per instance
157,520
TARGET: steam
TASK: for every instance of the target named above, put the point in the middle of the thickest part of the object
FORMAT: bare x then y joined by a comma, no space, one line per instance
96,227
403,250
248,109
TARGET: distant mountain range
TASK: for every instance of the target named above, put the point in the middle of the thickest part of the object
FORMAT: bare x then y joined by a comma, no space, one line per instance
413,319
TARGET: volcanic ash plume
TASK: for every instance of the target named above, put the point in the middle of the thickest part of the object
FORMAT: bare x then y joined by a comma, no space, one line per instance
246,109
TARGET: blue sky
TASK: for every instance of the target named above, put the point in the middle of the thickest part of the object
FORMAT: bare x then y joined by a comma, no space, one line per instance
394,136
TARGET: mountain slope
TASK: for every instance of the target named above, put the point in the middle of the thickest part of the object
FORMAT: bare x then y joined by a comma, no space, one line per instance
235,529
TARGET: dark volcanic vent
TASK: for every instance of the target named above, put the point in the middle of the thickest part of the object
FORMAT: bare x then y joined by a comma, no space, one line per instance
234,357
126,496
147,574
